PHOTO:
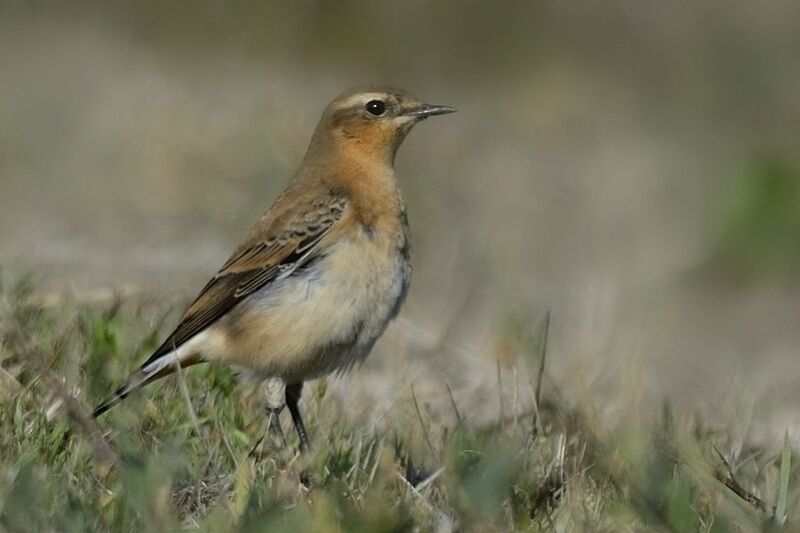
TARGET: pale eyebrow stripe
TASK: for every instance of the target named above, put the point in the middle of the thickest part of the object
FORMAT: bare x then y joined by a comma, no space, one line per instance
361,97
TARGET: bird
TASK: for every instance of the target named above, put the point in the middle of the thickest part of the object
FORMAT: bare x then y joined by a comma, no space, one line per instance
321,274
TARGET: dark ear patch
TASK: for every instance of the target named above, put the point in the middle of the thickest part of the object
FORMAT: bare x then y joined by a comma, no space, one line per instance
341,117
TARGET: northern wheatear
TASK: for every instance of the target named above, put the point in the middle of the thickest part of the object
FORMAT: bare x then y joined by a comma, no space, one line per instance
322,272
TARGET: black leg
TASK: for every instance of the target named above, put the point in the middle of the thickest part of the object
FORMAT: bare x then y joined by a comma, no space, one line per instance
292,397
273,428
274,424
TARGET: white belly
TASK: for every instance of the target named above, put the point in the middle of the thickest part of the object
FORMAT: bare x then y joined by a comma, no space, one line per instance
323,318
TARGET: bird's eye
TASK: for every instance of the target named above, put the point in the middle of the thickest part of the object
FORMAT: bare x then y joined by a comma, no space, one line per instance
376,107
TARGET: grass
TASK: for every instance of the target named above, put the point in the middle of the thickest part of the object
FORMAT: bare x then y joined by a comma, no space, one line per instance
150,465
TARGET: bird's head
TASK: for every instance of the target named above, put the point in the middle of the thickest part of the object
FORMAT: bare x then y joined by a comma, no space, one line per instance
373,121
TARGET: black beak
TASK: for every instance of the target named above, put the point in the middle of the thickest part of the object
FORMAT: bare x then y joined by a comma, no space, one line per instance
429,110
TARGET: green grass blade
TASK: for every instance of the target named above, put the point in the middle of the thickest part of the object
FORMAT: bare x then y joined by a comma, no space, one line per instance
783,493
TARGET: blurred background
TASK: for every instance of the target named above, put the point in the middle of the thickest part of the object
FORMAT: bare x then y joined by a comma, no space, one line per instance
630,167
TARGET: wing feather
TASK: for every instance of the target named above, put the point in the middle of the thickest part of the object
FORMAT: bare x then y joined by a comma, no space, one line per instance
267,254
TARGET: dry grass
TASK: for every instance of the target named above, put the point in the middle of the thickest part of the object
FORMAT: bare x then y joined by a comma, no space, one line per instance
556,466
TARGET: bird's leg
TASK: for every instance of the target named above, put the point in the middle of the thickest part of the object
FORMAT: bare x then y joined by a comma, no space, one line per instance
273,428
274,393
292,398
273,390
274,424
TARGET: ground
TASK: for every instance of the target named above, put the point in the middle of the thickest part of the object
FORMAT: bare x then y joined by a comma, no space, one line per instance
186,453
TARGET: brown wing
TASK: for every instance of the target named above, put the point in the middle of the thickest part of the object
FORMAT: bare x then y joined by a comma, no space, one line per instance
281,242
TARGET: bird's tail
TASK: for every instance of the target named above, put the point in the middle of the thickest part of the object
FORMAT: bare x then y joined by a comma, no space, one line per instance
149,372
